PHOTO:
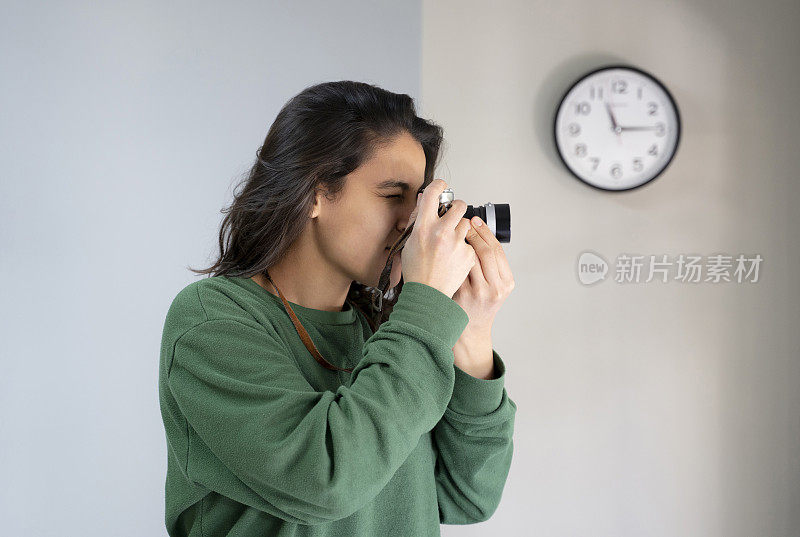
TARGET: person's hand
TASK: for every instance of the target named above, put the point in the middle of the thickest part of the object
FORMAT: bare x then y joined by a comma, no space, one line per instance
488,283
435,252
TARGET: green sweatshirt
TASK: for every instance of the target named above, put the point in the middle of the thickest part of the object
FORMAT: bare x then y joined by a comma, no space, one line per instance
263,440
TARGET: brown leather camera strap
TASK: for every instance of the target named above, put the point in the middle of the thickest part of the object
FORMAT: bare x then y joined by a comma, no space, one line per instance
302,332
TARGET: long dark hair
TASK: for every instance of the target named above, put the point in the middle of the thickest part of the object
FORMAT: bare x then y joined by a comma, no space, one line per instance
319,136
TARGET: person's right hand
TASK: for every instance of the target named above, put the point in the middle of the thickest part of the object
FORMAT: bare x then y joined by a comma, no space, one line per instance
435,253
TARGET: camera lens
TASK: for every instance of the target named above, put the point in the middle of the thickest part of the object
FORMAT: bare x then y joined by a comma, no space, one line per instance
496,216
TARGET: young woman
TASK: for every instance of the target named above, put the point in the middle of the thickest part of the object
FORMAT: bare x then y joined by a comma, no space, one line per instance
293,405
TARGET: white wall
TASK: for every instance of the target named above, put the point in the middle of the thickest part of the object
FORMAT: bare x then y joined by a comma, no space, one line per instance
123,131
644,409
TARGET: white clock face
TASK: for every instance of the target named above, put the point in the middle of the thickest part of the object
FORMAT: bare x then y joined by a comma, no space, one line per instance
617,128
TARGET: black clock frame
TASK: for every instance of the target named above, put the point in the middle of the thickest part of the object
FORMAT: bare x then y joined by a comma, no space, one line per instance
605,68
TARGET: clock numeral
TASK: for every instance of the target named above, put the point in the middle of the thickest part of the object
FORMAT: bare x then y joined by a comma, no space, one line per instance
595,162
599,93
574,129
583,108
639,92
653,150
652,108
619,86
660,130
616,171
580,150
637,164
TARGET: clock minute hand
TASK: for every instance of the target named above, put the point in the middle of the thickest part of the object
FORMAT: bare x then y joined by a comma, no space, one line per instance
638,128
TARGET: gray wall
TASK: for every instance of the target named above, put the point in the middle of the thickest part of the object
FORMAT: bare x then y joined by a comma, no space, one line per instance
654,409
123,132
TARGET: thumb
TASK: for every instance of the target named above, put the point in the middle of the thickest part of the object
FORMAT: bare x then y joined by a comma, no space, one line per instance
472,234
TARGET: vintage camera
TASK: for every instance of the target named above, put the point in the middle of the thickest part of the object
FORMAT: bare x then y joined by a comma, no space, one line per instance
496,216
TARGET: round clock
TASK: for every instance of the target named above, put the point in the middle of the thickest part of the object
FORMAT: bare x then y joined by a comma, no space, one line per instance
617,128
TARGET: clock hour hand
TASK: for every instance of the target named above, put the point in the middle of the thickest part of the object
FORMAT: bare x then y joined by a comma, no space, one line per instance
614,126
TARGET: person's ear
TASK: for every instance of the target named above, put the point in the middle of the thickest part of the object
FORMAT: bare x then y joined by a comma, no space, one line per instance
319,194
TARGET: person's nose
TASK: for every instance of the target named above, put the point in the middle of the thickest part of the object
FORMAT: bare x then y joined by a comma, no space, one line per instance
403,220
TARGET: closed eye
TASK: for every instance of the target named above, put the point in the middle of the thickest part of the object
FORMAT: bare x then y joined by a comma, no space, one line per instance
400,195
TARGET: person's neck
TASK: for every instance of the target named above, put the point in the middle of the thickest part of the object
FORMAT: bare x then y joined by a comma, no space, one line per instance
305,279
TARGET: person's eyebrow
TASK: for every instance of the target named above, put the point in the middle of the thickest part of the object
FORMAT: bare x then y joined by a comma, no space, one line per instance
394,183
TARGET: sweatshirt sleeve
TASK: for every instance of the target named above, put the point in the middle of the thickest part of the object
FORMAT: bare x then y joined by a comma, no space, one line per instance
260,434
474,447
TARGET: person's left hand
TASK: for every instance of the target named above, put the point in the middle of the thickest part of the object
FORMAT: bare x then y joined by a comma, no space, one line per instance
489,282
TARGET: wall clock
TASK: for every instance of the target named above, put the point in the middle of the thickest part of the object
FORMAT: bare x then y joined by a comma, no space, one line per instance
617,128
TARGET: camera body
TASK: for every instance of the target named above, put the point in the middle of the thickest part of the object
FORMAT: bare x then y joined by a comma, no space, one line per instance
496,216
